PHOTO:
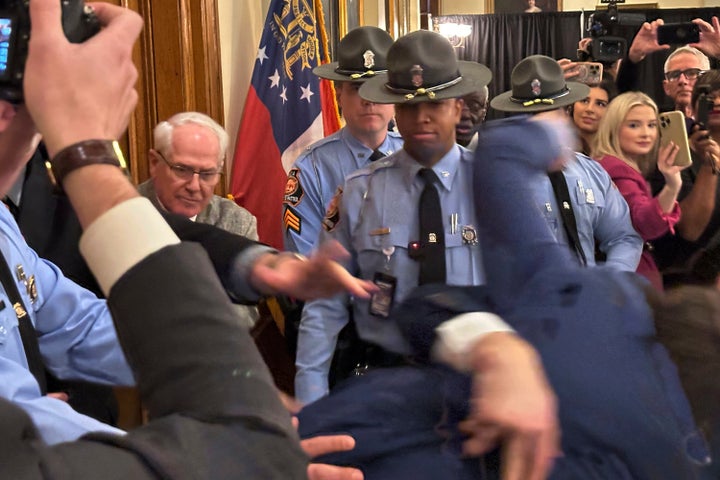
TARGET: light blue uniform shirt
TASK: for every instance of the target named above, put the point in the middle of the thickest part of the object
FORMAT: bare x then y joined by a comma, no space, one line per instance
76,336
601,213
315,177
378,218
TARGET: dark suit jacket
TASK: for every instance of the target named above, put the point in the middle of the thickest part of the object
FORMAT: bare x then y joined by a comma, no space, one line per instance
214,411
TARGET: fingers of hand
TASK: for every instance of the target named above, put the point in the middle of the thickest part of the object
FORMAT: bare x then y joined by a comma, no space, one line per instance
318,471
321,445
527,457
483,437
45,18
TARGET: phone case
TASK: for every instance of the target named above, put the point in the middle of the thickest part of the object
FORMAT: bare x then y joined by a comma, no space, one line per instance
673,128
588,73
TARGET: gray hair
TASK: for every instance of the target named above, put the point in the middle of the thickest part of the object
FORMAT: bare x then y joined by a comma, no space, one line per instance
162,134
702,58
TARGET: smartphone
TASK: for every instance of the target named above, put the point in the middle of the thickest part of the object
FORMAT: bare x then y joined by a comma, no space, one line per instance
673,129
589,73
705,106
678,33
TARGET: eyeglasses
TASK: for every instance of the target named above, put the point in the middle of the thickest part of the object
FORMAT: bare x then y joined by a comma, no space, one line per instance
186,173
690,74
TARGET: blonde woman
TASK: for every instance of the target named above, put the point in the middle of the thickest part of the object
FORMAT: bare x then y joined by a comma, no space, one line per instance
627,146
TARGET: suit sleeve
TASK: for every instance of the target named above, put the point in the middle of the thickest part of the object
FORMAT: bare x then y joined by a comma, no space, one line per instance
225,250
206,388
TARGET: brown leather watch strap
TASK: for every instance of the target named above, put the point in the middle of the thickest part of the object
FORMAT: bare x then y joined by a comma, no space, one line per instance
82,154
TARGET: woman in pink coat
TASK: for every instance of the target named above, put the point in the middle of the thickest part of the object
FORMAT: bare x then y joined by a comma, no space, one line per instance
627,146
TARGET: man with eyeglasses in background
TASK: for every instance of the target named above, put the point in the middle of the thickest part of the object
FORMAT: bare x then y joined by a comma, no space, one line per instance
185,165
682,67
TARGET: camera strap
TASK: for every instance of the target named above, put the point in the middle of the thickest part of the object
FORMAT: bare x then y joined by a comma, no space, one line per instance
27,331
562,195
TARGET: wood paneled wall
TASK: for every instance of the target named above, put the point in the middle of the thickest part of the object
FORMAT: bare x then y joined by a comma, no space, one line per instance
178,60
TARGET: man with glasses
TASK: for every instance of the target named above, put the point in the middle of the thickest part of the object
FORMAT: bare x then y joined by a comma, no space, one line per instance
185,165
682,67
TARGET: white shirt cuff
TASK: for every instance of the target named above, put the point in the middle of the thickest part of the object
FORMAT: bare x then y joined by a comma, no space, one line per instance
456,337
123,236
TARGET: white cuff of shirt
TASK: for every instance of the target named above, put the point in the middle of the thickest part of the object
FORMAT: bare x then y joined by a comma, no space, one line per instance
456,337
123,236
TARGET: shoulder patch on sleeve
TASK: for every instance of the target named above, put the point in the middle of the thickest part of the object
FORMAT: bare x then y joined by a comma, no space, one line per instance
332,216
293,190
291,220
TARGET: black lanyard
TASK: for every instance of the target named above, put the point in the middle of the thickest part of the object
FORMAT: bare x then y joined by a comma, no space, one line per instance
562,195
27,331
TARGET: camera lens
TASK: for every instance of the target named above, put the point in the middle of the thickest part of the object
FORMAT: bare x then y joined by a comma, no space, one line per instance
610,48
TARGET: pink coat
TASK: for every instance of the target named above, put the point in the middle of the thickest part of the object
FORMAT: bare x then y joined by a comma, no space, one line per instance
647,217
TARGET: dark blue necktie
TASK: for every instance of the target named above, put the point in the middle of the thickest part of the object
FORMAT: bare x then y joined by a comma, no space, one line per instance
432,232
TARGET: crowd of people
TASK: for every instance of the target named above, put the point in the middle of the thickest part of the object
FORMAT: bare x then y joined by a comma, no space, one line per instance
533,297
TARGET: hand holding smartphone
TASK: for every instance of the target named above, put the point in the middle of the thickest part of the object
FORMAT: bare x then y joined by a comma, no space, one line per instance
589,73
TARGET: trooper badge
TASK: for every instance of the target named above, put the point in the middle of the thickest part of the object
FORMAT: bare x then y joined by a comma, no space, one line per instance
469,235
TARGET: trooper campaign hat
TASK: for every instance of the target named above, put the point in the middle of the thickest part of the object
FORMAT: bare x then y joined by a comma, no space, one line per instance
361,54
423,67
538,85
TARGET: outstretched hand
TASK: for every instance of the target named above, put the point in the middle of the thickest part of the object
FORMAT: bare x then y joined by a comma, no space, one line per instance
308,278
513,406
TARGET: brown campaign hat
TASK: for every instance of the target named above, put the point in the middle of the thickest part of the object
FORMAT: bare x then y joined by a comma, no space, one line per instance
361,54
538,85
422,67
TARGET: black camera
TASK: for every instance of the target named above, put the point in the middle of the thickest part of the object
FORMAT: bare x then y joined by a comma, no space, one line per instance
79,23
607,46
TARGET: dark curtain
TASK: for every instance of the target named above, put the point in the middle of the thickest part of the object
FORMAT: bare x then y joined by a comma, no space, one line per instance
500,41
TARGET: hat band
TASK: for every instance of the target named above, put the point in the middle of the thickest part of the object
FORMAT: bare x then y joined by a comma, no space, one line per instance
429,91
549,100
358,73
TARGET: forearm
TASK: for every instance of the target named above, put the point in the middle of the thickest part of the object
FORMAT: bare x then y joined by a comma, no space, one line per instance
95,189
667,198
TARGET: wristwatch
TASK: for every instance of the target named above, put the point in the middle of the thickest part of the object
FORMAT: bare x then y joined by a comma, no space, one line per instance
82,154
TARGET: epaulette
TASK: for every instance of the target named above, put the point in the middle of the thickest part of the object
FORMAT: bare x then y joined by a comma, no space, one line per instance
381,164
335,137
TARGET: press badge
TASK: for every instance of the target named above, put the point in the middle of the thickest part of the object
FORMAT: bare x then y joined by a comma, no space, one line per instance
382,301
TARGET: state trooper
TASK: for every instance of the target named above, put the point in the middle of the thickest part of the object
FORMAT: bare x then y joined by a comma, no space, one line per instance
594,215
377,214
321,169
